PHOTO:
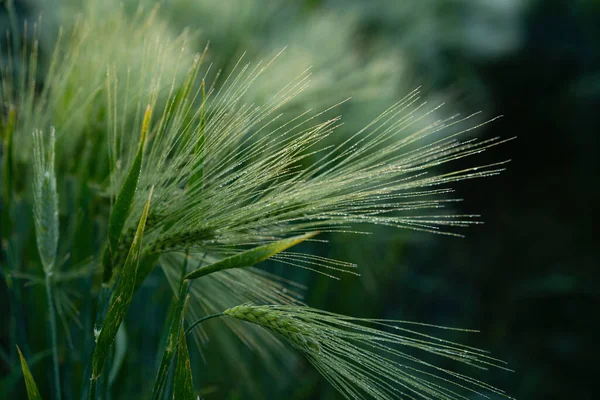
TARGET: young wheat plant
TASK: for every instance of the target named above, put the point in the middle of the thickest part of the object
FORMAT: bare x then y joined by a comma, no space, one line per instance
129,161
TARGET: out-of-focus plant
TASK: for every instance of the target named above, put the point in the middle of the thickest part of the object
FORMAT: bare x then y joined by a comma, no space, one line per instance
123,158
326,42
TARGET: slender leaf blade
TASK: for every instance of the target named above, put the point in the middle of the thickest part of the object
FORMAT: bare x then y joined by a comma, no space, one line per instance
183,387
32,391
250,257
171,342
119,356
121,298
120,209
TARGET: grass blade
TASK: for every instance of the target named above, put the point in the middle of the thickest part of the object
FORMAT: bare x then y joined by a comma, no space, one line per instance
184,384
120,300
171,342
32,390
119,356
120,209
250,257
9,381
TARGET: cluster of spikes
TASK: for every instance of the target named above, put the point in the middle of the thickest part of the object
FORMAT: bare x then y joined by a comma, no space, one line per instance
227,175
203,179
234,187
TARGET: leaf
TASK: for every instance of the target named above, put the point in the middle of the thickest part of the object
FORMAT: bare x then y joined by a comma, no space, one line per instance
121,298
32,390
9,380
176,320
184,386
250,257
119,356
120,209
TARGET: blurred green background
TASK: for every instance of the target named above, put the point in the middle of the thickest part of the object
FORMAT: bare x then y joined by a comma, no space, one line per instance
528,277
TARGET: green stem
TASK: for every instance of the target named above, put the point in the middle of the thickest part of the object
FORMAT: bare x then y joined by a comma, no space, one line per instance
53,334
189,329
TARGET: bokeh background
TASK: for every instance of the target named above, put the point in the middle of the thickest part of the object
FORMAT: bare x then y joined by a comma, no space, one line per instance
528,277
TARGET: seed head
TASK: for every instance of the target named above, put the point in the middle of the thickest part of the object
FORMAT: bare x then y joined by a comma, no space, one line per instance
297,332
45,196
361,361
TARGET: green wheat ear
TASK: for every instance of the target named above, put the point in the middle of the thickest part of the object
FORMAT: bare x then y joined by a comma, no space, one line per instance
359,360
45,199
